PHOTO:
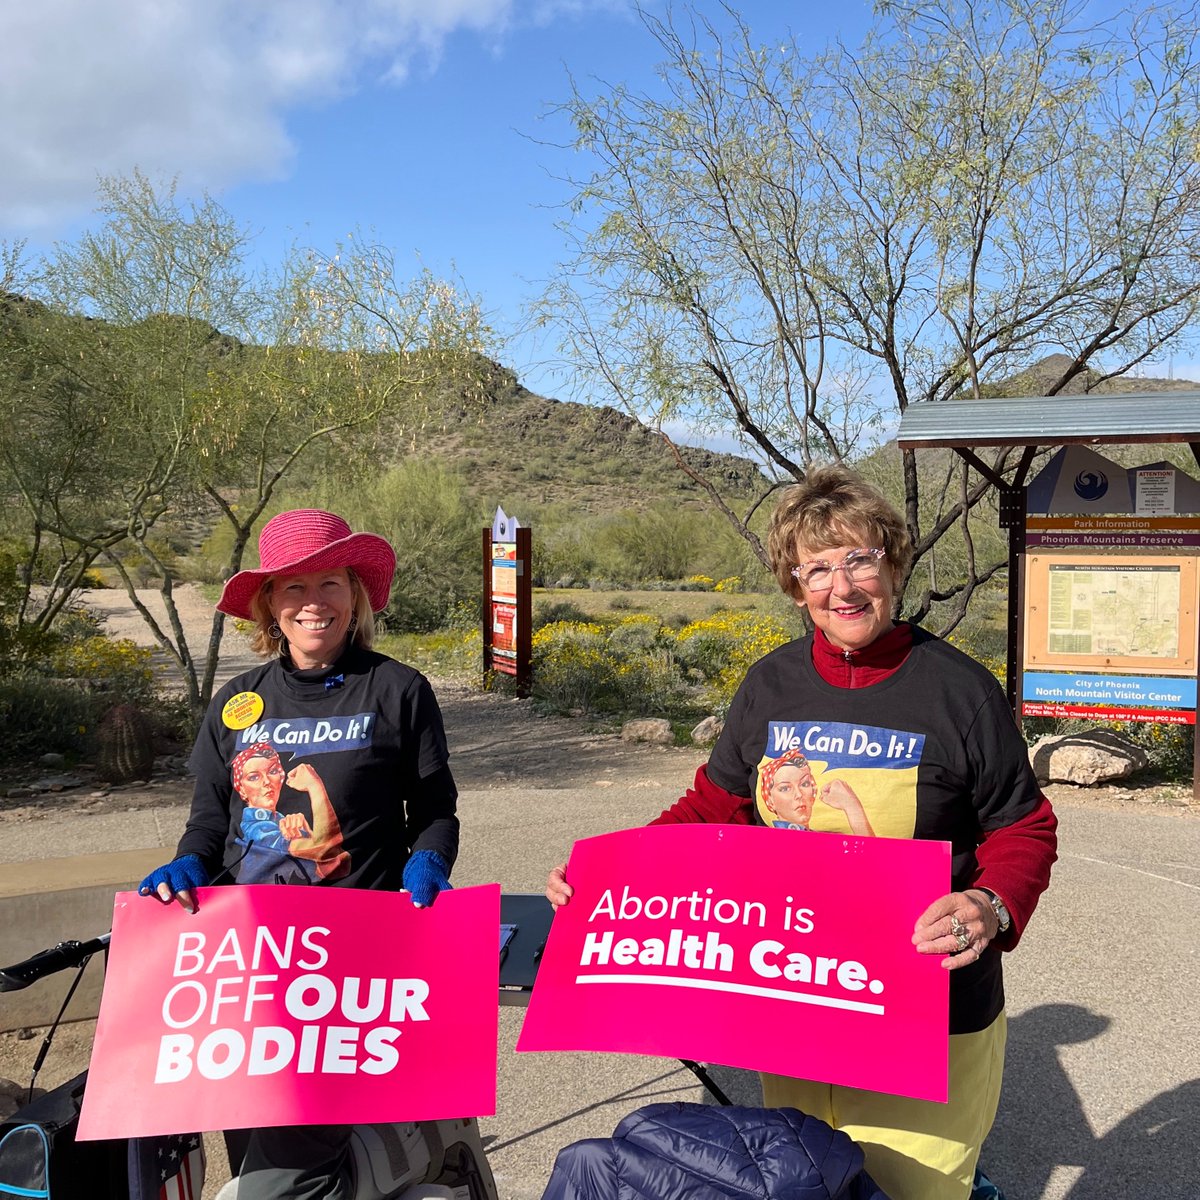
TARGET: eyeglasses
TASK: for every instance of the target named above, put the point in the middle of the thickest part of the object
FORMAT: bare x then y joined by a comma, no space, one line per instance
858,566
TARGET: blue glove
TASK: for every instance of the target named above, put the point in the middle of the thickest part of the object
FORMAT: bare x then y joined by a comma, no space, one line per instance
185,874
425,874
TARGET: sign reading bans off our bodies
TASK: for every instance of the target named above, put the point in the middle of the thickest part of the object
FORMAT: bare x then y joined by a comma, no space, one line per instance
751,948
290,1006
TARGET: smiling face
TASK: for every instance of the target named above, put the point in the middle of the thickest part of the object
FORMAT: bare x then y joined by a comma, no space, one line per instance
313,612
261,781
791,794
851,615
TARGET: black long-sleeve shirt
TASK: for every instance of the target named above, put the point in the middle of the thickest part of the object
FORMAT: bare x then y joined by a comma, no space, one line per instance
370,729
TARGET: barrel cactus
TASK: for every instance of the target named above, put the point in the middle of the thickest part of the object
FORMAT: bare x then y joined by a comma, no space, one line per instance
124,745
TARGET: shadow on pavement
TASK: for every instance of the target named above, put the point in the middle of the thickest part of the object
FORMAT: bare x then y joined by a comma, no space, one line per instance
1154,1153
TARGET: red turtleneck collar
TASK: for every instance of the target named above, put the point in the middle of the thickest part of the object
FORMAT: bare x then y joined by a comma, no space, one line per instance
861,668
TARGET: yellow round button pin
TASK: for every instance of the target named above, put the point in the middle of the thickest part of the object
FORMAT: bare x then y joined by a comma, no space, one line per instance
242,710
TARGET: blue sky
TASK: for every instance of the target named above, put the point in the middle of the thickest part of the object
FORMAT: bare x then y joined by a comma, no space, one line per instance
419,120
424,122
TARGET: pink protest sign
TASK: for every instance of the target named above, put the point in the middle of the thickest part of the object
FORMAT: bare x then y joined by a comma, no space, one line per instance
740,946
295,1006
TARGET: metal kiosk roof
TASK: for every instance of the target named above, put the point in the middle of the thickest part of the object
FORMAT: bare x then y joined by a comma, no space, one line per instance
1133,417
1035,422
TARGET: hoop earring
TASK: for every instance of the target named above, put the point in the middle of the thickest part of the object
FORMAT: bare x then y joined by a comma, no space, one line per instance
353,625
274,632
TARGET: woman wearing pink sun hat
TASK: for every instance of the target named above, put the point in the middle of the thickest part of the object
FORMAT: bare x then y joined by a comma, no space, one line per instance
326,765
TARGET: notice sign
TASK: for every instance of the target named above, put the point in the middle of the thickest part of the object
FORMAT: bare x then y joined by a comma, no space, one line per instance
745,947
295,1006
504,571
1109,698
1154,490
504,637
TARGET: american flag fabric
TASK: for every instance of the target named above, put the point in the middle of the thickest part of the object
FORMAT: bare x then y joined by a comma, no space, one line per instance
166,1168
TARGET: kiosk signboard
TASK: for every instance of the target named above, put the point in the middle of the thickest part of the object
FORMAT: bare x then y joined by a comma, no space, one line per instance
1111,591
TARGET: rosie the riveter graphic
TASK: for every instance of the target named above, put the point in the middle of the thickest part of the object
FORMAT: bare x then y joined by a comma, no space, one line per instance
285,847
839,779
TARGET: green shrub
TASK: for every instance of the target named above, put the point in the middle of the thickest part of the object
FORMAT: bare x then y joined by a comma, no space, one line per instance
77,623
41,715
573,670
650,684
722,648
556,611
639,634
639,666
656,543
1168,747
116,667
561,557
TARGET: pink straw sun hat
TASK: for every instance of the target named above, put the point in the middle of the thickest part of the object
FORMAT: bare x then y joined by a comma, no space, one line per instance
308,539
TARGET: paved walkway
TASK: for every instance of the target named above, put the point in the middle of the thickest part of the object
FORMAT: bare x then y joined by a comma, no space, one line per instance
1102,1093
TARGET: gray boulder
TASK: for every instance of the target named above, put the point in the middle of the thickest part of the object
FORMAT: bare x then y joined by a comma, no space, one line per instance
1085,759
707,731
655,730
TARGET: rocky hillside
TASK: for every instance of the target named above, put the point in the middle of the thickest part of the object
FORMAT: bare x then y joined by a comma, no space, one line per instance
1036,379
534,450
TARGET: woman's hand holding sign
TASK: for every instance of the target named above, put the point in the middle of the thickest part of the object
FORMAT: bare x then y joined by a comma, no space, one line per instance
959,926
558,890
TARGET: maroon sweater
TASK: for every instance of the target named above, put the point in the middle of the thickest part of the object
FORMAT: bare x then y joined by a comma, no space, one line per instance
1014,862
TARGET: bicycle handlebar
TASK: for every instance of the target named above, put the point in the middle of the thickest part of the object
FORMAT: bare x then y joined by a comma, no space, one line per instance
46,962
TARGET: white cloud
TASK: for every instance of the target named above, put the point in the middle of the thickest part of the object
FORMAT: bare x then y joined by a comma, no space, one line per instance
197,90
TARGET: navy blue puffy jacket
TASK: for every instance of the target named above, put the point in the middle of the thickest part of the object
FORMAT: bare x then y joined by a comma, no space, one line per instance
701,1151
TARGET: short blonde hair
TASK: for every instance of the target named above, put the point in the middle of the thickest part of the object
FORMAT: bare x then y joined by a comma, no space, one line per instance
266,646
834,507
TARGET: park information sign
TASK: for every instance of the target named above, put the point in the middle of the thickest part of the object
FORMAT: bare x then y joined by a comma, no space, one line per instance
1112,591
295,1006
739,946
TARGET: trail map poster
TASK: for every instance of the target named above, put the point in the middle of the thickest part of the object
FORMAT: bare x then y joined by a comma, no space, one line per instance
1098,609
1115,611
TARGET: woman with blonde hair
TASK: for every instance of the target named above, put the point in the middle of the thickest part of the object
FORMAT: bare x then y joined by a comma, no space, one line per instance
371,806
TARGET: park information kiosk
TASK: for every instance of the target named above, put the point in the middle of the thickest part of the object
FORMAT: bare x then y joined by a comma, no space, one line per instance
1102,559
1110,591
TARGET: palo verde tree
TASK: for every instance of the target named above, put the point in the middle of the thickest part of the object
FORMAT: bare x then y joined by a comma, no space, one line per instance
167,387
799,247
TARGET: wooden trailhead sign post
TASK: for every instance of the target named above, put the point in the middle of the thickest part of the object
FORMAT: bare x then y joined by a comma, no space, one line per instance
508,601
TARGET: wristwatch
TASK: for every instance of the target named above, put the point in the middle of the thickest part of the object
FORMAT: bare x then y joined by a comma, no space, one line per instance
999,908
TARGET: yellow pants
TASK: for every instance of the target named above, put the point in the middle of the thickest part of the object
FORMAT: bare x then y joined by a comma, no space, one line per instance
915,1150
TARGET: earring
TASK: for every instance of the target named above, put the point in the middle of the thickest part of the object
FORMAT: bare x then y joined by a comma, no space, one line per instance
353,624
274,632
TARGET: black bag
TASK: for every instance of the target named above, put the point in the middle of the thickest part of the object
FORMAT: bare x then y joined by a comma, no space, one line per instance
40,1158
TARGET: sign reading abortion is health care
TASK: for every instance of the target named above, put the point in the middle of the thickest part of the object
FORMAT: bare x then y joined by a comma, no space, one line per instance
295,1006
752,948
